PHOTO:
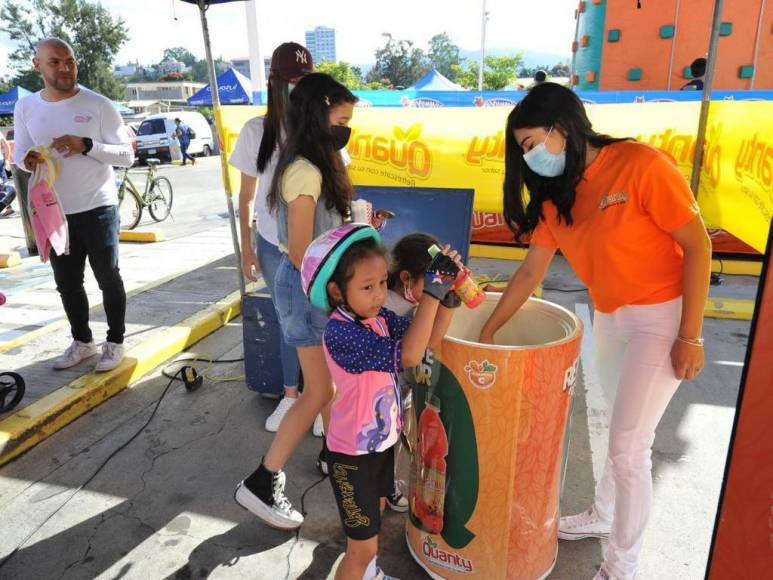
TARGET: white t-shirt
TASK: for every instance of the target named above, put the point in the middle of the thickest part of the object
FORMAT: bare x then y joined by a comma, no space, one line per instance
87,181
245,159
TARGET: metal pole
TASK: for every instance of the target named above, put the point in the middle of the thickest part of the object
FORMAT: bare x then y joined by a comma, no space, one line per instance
757,45
708,81
483,18
220,135
256,62
673,44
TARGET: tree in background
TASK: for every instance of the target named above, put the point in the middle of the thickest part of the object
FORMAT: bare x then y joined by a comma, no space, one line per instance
5,84
343,72
498,72
399,62
444,56
181,54
94,34
175,77
200,72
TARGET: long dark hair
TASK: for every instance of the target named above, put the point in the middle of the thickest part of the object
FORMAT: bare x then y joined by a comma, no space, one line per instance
309,135
274,123
546,105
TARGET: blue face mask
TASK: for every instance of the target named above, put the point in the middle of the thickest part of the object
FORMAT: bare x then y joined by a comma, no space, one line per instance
543,162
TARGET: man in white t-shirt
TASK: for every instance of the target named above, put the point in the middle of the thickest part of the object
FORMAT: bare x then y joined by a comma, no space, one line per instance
87,134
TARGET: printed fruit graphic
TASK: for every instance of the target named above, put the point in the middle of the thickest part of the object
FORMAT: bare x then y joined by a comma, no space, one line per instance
429,494
481,374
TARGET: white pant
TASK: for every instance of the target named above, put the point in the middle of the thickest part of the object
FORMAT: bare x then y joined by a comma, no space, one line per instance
633,346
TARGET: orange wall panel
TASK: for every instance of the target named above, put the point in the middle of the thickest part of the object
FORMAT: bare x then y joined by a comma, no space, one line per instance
640,45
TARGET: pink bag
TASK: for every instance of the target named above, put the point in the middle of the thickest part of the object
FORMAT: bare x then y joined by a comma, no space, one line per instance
49,223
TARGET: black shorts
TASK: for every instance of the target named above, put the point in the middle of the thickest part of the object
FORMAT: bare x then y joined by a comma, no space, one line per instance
359,482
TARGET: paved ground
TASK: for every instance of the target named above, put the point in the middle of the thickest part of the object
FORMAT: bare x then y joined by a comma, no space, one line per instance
196,234
163,508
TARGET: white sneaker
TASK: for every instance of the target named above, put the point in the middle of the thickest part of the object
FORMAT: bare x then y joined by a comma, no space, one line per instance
275,418
584,525
75,353
317,430
112,355
602,574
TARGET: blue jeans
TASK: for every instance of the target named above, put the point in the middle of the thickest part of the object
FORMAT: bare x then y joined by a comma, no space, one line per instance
184,150
301,324
269,257
93,235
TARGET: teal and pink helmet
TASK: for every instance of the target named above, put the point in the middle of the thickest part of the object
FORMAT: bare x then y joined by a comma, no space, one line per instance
322,256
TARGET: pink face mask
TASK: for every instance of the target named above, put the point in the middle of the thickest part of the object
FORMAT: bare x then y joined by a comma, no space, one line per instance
408,294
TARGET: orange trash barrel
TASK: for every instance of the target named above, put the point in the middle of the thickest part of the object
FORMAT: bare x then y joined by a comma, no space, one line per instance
486,444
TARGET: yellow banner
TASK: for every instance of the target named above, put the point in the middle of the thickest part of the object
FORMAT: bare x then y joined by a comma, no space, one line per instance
464,148
736,187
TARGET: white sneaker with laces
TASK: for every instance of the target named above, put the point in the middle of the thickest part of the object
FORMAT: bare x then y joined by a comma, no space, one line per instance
75,353
275,418
584,525
112,355
317,430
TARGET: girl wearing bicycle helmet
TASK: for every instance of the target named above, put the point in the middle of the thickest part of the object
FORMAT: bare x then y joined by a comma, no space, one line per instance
310,194
366,346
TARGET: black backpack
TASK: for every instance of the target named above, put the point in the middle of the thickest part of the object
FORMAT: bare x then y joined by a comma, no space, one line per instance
191,133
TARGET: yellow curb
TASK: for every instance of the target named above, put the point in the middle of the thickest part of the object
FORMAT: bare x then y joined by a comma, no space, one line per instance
737,267
497,252
57,324
140,236
10,259
731,308
31,425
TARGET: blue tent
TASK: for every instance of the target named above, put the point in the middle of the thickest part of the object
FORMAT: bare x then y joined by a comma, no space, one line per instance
434,81
233,87
8,99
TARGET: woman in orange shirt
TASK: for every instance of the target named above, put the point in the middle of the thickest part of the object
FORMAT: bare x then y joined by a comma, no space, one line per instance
625,219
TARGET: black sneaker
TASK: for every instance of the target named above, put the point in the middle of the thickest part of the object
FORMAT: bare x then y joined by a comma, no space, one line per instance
322,458
396,501
262,494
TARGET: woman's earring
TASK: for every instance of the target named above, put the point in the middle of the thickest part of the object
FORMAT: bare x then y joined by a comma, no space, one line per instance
327,101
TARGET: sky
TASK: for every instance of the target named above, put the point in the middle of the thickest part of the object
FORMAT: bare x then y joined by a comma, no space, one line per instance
543,26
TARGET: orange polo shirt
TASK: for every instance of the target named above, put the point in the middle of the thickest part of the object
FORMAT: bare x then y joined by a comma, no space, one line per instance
630,200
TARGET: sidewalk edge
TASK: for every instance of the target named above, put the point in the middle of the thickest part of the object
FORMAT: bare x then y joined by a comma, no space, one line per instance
34,423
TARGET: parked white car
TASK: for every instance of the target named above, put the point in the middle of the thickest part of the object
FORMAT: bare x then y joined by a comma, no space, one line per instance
156,136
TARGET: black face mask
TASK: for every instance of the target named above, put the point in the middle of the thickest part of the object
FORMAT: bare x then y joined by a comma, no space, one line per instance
341,135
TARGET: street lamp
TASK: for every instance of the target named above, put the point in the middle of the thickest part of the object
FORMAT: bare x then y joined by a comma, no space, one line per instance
483,20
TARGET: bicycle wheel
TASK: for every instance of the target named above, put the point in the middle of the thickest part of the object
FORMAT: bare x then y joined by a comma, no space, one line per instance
160,198
129,208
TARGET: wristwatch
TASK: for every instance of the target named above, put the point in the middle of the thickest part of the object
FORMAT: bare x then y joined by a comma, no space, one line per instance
88,144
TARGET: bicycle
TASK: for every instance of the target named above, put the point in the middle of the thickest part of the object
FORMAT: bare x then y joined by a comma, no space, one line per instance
157,197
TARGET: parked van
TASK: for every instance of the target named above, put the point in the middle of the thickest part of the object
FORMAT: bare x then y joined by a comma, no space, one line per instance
156,136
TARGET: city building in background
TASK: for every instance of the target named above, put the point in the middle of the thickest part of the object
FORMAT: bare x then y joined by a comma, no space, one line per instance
620,47
321,43
242,65
171,93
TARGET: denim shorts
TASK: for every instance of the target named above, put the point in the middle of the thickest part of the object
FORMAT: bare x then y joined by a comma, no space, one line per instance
300,322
